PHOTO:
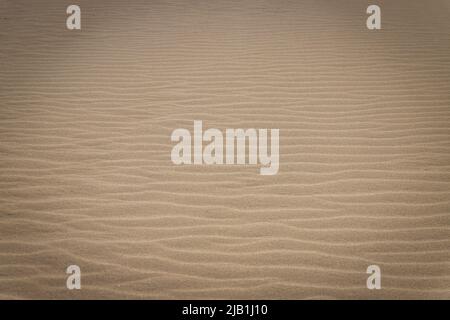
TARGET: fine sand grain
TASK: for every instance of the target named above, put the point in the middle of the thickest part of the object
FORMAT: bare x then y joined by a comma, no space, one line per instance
86,176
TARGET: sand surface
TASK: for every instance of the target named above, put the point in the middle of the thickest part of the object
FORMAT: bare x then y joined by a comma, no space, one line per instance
86,176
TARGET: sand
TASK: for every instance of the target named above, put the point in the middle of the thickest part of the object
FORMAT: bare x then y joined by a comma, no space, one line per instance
86,176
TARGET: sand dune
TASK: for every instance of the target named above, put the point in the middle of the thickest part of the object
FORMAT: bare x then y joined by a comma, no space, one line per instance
85,170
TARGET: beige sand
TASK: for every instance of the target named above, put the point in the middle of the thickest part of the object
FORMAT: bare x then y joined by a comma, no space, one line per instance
85,170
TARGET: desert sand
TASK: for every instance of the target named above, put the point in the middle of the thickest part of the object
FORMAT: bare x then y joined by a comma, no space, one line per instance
85,170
